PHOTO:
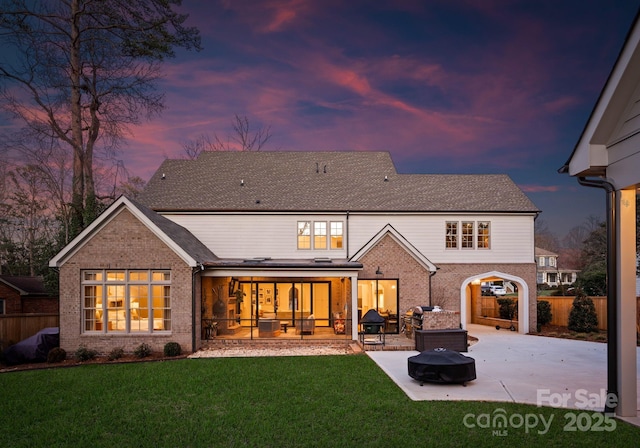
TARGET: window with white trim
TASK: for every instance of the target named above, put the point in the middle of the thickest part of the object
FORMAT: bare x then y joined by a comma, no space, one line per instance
126,301
484,235
304,234
320,235
336,234
541,261
467,235
313,235
451,235
552,261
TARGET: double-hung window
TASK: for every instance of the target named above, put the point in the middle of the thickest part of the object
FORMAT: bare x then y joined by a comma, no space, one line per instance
336,234
320,235
126,301
304,234
452,235
484,235
467,235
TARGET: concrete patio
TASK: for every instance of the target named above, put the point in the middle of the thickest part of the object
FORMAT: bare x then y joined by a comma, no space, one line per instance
513,367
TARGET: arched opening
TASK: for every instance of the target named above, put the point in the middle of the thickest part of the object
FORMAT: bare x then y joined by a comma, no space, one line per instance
471,288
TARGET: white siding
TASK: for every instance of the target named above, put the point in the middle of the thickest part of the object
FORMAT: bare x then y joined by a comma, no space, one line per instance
249,236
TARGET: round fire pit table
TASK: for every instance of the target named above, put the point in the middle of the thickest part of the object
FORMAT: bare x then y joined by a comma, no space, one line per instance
442,366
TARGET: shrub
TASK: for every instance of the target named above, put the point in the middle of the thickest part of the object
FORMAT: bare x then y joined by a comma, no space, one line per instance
116,353
85,354
583,317
56,355
172,349
507,308
142,351
544,313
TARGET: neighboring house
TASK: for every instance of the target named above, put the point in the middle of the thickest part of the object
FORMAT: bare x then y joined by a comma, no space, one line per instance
256,243
549,272
23,294
607,156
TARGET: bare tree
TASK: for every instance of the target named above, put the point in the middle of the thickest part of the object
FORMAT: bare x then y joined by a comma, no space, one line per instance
81,72
243,138
545,238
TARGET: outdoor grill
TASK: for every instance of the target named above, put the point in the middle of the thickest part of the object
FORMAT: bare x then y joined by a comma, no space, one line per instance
413,319
442,366
372,328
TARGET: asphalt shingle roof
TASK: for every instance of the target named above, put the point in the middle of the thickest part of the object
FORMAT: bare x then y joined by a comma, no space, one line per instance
322,182
181,236
25,284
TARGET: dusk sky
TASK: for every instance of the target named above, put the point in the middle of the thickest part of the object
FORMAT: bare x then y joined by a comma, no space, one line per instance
446,86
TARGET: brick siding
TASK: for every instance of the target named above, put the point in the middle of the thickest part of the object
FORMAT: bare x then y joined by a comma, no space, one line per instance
124,243
413,285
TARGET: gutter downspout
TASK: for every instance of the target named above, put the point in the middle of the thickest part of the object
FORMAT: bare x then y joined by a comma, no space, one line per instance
431,274
347,235
612,306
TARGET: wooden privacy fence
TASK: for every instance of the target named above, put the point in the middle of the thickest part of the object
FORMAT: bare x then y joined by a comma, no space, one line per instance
16,327
560,309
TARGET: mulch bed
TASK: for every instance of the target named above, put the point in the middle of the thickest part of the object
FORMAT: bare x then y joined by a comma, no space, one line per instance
72,362
556,331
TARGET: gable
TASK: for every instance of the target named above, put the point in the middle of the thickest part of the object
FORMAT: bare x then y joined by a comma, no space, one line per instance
391,232
175,237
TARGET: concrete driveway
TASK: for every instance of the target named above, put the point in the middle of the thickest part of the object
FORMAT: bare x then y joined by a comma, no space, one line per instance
513,367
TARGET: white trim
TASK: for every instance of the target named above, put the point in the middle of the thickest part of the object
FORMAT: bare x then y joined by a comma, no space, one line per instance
523,298
276,272
105,218
401,240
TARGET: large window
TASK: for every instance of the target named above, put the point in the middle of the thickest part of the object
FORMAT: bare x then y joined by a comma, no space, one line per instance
316,232
126,301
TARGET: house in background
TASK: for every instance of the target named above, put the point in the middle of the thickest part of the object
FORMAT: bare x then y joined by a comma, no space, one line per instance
549,272
25,295
283,245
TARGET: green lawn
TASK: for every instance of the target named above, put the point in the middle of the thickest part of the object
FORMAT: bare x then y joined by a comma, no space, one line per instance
324,401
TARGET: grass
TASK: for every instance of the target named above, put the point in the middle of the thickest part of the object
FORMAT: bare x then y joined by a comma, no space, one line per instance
322,401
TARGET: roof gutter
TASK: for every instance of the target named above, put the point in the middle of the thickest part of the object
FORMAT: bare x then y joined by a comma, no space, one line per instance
612,306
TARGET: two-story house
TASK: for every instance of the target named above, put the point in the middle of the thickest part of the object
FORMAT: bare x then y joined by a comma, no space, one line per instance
256,244
549,272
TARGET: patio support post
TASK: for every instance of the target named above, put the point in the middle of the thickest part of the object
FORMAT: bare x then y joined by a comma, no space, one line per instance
354,308
626,303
